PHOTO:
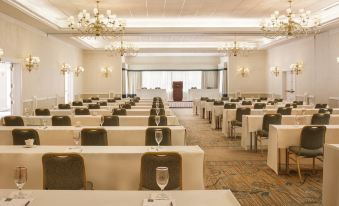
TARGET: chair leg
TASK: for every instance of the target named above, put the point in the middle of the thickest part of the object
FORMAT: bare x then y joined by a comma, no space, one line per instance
298,165
313,170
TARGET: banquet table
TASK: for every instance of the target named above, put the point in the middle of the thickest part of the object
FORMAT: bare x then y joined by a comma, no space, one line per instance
108,168
130,112
125,198
253,123
283,136
91,120
331,175
150,93
116,136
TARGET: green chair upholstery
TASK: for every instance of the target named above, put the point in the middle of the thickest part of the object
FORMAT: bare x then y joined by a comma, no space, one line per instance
210,100
87,101
271,103
61,121
77,103
298,102
284,110
111,120
293,105
157,99
238,121
203,98
325,110
246,103
150,136
259,106
225,98
95,98
151,160
161,111
110,100
93,106
63,171
42,112
235,100
320,119
127,106
163,120
160,106
319,106
311,145
94,137
230,106
278,100
64,106
102,103
81,111
218,103
119,112
269,119
20,135
13,121
263,98
117,98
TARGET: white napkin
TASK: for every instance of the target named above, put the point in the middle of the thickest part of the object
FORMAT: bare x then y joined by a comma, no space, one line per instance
15,202
154,202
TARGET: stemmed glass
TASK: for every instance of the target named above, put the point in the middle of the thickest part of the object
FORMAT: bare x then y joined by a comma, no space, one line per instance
162,177
76,139
158,137
20,178
157,104
102,120
157,120
44,123
157,110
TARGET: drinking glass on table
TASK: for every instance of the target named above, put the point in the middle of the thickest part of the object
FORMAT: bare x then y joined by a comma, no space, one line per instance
157,120
102,120
162,178
158,137
157,110
76,139
20,178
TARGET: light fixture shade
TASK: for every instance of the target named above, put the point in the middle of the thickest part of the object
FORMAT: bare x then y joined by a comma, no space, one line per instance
65,67
78,70
275,71
106,71
297,68
244,71
32,62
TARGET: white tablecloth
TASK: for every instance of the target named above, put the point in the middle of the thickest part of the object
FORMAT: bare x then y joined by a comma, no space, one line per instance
130,112
117,136
150,93
331,175
198,93
88,120
283,136
127,198
109,168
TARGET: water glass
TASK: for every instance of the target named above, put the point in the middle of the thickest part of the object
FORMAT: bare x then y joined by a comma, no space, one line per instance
157,120
157,110
20,178
76,138
162,178
158,137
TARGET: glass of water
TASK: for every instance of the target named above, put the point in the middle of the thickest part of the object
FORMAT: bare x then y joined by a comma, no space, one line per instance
157,120
158,137
162,178
20,179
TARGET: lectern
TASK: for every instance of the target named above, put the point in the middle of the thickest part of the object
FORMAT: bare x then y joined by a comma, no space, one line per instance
177,91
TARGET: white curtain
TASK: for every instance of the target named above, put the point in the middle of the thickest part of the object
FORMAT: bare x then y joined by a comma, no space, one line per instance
133,81
210,79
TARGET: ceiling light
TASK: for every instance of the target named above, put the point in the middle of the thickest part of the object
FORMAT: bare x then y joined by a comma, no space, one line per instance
236,48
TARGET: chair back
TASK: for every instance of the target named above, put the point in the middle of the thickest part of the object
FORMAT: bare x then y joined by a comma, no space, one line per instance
150,161
246,103
235,100
77,103
87,101
132,103
325,110
210,100
163,120
61,121
263,98
81,111
218,103
93,106
320,119
161,111
319,106
94,137
102,103
298,102
42,112
312,137
225,98
111,120
230,106
63,171
111,100
284,110
64,106
95,98
278,100
119,112
269,119
161,105
259,106
242,111
271,103
204,98
127,106
13,121
150,136
117,98
20,135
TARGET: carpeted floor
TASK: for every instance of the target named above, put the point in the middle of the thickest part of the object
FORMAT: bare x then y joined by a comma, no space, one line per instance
246,174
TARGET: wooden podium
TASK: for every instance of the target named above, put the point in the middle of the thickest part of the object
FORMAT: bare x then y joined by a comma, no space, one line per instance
177,91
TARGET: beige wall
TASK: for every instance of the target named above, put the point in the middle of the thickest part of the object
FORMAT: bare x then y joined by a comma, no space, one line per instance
18,40
94,80
320,76
255,82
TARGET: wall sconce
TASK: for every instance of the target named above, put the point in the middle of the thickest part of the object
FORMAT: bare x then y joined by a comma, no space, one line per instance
1,53
78,70
275,71
297,68
32,62
65,68
106,71
244,71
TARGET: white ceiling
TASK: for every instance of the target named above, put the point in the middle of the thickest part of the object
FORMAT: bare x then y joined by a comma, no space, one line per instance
175,23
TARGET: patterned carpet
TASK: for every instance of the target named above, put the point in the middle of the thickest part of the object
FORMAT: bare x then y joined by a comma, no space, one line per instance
246,174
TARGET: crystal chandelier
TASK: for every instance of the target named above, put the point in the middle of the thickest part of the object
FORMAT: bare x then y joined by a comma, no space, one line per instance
297,68
275,71
122,48
236,49
65,68
290,25
32,62
98,25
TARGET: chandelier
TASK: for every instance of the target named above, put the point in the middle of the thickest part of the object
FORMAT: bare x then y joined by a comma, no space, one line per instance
106,71
122,48
65,68
297,68
275,71
236,48
78,70
244,71
291,24
32,62
98,25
